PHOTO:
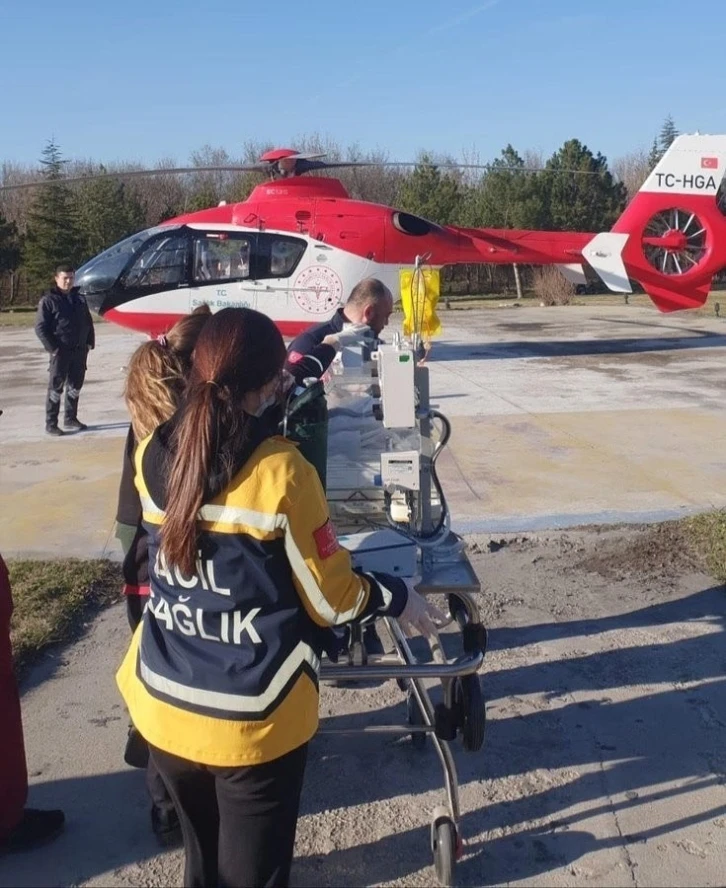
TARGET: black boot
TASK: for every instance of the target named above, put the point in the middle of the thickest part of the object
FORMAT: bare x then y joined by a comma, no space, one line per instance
166,826
52,408
71,420
75,424
35,829
136,753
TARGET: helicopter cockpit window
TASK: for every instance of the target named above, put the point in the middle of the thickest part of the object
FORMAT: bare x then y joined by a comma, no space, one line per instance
221,256
280,255
410,224
162,263
101,272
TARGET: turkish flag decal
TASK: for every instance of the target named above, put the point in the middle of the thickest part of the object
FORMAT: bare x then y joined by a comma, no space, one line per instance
326,540
709,163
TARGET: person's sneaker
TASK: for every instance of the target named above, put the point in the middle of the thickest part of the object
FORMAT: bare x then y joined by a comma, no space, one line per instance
53,430
75,424
36,828
166,826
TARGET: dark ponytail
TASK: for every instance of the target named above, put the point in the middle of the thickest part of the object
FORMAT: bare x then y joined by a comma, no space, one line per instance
238,351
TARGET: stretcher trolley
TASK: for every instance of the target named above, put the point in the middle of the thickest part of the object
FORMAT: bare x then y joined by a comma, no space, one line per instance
382,441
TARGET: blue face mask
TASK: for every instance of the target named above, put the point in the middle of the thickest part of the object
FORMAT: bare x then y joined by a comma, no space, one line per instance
268,402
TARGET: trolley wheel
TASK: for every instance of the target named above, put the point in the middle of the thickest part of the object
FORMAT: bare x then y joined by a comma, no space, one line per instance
470,711
458,611
444,842
415,717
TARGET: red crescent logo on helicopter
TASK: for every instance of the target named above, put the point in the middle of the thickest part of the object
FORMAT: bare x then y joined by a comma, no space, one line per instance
318,289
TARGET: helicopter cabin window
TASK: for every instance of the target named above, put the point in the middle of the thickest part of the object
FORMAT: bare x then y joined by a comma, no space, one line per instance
279,255
221,256
160,263
410,224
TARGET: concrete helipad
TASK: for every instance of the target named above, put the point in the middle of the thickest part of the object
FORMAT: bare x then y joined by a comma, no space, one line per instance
560,416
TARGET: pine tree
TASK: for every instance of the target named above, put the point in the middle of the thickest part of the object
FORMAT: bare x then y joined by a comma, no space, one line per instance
53,236
507,196
662,142
9,250
205,195
106,214
429,193
9,246
581,193
655,155
667,135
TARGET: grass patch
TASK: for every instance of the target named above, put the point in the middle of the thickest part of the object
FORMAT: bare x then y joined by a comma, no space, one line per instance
53,600
24,316
708,535
17,317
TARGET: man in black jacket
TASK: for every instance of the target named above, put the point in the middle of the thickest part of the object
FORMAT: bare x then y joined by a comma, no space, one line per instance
65,327
363,316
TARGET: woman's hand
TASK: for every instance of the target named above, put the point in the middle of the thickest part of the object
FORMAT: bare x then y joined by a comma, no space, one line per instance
420,616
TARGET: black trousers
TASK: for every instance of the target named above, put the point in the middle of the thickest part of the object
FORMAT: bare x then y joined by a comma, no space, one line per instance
155,786
67,368
238,823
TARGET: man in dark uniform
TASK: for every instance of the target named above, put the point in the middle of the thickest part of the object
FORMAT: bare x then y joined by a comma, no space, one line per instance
65,327
364,315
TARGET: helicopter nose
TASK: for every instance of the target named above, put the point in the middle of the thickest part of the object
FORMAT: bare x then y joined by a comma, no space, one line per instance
96,300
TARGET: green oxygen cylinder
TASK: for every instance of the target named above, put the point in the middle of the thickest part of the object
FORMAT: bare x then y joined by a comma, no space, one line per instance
306,423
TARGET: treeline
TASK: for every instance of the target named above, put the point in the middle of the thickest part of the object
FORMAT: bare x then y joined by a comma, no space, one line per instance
61,221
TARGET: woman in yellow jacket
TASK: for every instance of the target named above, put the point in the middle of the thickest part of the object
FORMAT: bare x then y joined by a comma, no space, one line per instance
246,577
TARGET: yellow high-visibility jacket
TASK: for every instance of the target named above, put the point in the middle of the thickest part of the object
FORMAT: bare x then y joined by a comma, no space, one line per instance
223,668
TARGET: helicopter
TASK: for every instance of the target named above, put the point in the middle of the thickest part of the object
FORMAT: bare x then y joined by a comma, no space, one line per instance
298,244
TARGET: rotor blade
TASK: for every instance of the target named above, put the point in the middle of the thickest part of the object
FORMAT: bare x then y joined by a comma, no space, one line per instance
303,164
137,174
455,165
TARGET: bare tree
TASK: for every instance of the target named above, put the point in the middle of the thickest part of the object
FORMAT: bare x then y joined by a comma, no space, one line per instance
551,287
632,170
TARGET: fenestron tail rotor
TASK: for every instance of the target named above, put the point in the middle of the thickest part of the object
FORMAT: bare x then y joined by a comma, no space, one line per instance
675,241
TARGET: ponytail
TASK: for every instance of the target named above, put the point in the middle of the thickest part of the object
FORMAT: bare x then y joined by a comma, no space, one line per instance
238,351
153,386
190,470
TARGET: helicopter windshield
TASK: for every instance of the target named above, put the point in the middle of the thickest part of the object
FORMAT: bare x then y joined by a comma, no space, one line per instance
101,272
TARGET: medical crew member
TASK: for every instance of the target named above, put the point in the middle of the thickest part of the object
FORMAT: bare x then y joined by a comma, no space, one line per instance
245,573
155,380
364,315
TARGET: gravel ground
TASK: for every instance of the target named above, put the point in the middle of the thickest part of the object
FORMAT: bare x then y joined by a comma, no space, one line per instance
603,762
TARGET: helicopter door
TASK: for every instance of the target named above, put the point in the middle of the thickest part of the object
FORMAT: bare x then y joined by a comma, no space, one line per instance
222,265
277,258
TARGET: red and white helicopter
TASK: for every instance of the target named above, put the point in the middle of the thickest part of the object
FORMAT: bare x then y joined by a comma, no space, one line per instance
297,245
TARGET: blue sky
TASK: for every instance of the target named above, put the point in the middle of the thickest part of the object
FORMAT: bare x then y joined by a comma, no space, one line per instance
145,80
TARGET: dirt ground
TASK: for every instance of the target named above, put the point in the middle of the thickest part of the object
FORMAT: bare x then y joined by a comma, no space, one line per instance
603,762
